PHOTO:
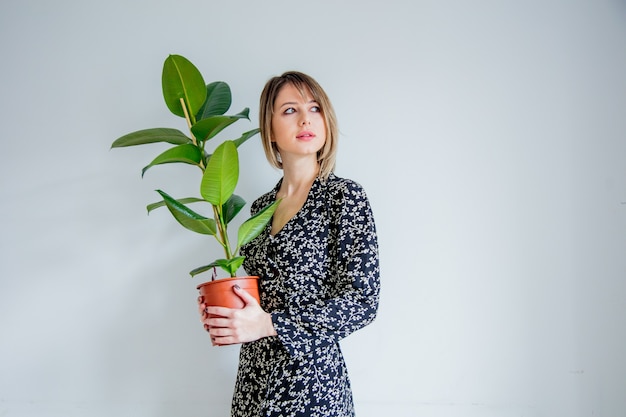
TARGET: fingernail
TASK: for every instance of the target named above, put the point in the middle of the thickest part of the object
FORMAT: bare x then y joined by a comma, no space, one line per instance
237,287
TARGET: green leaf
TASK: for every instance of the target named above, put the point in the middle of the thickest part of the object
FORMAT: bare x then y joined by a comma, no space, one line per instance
221,174
244,114
245,136
218,100
181,79
161,203
160,134
189,218
202,269
208,128
187,154
232,207
234,264
252,227
229,265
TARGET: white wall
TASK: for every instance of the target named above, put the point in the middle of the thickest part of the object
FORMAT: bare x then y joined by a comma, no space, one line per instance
490,136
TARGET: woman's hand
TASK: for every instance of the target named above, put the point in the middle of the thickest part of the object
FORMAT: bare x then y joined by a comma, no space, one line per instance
233,325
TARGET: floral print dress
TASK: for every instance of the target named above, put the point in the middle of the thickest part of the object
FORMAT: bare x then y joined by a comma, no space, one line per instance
320,282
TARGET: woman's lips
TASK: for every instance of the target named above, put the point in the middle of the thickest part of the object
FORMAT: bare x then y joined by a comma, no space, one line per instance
305,135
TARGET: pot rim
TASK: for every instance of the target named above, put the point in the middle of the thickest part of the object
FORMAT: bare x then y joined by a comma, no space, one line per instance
219,280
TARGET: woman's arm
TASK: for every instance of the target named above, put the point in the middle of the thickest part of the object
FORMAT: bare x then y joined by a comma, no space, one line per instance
304,328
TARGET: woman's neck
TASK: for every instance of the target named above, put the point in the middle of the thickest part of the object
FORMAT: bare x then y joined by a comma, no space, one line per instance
298,176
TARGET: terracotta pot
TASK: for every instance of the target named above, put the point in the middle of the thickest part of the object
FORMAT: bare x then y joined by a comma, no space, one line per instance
220,291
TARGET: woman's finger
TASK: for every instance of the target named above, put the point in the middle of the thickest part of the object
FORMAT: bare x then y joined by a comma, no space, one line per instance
218,322
245,295
201,305
219,311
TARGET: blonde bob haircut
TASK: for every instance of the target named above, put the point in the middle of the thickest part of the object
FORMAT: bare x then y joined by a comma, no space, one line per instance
303,83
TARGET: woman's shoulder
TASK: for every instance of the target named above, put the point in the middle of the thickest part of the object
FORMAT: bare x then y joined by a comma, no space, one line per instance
344,187
348,201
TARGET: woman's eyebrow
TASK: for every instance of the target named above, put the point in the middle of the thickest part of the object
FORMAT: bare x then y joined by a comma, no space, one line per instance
293,103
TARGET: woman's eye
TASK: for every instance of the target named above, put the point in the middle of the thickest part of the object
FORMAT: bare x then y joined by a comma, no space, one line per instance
289,110
316,109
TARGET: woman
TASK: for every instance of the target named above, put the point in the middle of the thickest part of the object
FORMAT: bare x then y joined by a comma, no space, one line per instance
318,263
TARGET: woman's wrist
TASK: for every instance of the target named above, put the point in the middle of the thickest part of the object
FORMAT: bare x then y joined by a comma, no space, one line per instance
271,331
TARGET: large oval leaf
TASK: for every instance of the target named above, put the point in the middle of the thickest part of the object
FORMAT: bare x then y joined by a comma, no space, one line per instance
181,79
218,100
187,154
189,218
159,134
221,174
208,128
252,227
211,126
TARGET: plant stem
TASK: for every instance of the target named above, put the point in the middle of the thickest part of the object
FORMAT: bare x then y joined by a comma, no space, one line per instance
193,138
189,123
221,228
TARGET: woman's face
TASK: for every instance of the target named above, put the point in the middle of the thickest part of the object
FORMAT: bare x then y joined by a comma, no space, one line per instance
298,126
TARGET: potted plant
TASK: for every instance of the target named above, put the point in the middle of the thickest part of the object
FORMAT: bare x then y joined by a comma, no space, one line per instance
204,109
